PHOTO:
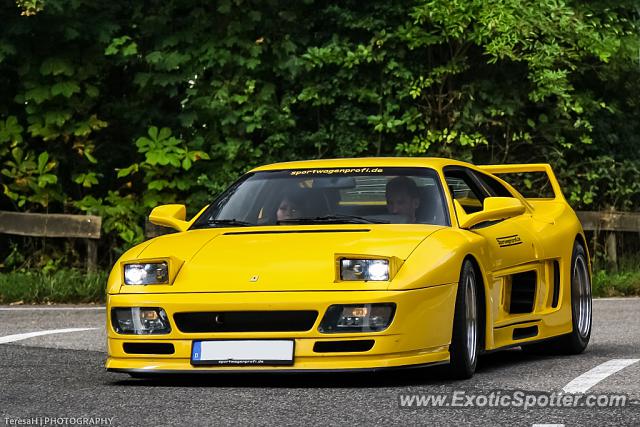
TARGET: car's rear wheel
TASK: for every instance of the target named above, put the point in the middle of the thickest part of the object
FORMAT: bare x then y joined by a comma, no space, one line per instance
581,309
464,342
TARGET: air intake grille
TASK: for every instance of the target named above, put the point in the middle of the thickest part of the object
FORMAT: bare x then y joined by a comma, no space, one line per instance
148,348
342,346
523,292
245,321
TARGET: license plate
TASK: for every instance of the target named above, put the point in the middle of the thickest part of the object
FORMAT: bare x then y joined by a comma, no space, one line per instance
242,352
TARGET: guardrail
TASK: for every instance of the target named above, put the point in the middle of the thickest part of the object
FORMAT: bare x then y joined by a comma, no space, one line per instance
612,223
56,225
88,227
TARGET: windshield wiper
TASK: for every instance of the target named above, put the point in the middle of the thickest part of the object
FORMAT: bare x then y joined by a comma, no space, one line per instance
332,219
226,223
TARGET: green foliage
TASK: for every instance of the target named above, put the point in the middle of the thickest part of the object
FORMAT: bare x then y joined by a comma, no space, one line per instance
30,177
113,108
30,7
120,215
10,134
61,286
624,283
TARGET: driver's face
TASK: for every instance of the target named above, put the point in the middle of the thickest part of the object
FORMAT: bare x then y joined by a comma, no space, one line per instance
287,210
402,204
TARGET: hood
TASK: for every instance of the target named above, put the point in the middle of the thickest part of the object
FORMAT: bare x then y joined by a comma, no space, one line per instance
281,258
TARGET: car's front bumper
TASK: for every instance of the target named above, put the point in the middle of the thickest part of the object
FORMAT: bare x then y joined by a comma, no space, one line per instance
419,334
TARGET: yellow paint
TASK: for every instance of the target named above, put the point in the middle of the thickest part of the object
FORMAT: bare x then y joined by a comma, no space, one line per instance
219,271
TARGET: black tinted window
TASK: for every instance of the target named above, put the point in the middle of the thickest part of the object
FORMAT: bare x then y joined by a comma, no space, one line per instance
393,195
493,186
465,190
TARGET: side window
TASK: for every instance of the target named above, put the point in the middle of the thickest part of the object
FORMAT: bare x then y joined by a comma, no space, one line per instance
493,186
464,190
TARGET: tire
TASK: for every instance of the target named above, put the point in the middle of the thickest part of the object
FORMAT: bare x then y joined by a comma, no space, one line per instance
464,341
581,312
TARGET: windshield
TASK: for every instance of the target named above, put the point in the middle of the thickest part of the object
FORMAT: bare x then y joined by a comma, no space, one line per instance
330,196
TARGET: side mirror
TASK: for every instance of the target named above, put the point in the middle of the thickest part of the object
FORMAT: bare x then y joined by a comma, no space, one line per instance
172,216
495,208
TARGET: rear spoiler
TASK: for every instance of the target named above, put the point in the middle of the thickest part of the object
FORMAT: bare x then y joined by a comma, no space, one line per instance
534,167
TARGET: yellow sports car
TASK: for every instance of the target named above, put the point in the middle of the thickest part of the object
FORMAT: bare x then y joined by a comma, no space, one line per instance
353,264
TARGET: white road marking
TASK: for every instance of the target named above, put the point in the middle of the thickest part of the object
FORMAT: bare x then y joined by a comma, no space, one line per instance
616,299
590,378
49,308
19,337
548,425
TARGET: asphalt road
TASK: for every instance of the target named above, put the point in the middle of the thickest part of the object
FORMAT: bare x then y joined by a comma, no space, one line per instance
62,376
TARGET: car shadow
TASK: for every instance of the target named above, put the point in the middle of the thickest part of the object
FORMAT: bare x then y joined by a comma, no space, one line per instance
507,358
363,379
431,375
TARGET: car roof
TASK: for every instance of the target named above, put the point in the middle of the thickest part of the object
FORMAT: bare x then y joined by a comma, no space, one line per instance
432,162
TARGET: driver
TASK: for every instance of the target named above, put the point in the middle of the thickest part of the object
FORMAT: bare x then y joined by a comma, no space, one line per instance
290,207
403,197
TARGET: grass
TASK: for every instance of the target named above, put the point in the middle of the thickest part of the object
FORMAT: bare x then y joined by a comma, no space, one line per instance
76,286
621,284
62,286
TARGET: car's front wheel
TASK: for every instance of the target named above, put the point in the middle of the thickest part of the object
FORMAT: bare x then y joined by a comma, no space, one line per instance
464,342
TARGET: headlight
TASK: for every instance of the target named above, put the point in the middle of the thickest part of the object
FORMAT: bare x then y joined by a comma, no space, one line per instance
140,321
153,273
364,269
357,318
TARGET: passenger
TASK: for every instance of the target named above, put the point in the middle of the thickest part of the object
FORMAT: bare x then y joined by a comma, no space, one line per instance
403,197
